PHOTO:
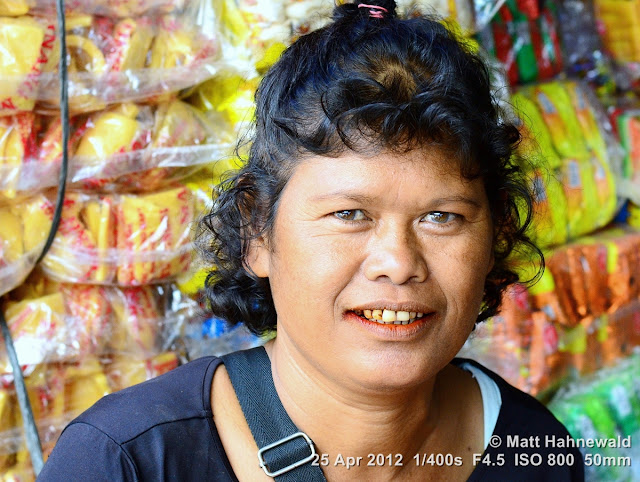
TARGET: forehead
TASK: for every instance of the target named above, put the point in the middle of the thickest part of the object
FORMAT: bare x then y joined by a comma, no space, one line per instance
426,168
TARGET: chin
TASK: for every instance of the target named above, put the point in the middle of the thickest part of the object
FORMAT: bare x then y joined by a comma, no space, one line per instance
392,373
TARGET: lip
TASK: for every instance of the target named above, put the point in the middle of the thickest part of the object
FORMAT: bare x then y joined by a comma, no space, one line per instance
391,331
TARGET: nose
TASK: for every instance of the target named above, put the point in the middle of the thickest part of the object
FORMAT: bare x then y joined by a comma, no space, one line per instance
396,254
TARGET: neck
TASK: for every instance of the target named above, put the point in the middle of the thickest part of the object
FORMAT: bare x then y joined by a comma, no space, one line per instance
345,419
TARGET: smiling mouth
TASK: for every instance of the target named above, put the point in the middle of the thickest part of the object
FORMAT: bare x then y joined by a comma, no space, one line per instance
389,317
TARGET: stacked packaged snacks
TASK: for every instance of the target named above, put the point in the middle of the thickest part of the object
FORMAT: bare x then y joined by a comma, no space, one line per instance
523,36
61,322
580,316
572,157
605,407
109,321
23,231
108,149
59,392
110,60
124,239
77,343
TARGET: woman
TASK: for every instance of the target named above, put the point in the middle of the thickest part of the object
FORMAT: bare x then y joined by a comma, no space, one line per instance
371,228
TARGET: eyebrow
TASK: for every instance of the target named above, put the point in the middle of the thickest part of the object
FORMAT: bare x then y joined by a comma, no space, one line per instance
457,199
364,198
350,196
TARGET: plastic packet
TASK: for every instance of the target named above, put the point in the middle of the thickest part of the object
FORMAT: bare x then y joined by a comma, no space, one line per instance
53,322
125,239
23,231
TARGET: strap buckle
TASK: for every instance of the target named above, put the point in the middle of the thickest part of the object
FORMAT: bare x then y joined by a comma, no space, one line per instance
292,466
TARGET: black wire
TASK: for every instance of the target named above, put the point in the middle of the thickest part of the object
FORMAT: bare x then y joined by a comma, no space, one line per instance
30,428
64,118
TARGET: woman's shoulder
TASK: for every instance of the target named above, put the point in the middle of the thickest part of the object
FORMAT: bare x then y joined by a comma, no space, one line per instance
180,394
519,411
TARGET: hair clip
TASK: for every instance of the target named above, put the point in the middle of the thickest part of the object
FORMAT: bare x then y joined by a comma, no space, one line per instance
375,11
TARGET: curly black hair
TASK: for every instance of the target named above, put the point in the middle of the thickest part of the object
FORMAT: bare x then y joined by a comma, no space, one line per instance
362,83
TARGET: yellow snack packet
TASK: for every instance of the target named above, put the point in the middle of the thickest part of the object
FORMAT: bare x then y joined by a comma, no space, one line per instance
38,328
125,371
537,145
550,209
91,317
73,254
582,209
98,216
7,422
110,132
587,121
556,109
136,321
85,384
153,233
11,238
21,41
13,8
132,39
36,215
17,148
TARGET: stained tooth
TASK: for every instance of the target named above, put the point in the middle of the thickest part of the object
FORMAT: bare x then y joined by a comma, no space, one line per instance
405,322
412,315
402,316
419,315
367,313
376,314
388,316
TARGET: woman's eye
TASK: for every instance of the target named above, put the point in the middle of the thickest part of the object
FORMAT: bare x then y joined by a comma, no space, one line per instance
440,217
350,215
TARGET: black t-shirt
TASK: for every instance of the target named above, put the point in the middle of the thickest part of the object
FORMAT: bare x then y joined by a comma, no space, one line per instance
163,429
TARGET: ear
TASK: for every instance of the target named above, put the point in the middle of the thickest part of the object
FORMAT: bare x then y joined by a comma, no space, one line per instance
257,259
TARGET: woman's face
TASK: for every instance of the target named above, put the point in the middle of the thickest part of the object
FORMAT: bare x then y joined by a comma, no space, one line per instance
390,236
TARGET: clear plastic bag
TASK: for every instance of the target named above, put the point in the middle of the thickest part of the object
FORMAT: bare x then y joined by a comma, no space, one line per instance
127,146
123,239
110,60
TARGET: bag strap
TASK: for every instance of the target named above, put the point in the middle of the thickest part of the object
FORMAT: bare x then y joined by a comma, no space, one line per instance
285,452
